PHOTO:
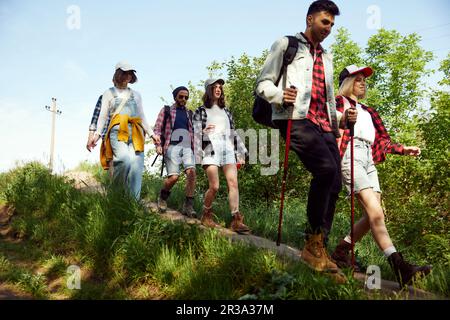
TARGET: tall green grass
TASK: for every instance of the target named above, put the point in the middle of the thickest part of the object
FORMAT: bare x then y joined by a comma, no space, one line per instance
263,220
125,245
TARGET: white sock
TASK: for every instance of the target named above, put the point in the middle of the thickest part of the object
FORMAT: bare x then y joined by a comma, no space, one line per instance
389,251
348,239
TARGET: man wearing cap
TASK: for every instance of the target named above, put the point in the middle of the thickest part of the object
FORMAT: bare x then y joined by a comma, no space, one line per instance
177,146
305,95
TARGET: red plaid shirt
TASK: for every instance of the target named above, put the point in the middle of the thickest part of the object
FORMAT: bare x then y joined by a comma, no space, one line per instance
382,144
318,109
158,129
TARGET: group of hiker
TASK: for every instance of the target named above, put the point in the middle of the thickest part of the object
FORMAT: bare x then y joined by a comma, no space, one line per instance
206,137
316,125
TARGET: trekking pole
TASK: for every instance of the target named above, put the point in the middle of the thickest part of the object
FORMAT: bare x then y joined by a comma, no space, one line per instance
155,160
162,166
283,182
352,192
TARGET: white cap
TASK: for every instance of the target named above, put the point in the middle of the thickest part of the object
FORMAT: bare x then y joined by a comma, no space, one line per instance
124,66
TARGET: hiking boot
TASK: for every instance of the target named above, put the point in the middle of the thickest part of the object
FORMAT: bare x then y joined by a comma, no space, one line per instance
315,255
162,200
207,219
188,210
404,271
237,224
342,258
162,205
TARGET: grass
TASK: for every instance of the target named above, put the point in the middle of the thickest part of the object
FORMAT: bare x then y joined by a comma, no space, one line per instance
123,250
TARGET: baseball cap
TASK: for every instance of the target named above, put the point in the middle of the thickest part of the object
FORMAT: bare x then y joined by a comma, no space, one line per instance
212,81
124,66
352,69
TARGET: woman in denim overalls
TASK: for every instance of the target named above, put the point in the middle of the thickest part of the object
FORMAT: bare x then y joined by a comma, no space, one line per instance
123,145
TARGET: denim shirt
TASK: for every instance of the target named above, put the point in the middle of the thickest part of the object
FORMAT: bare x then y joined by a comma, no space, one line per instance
299,74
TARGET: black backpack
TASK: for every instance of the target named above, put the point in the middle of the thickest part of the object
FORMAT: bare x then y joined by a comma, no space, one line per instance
166,117
262,110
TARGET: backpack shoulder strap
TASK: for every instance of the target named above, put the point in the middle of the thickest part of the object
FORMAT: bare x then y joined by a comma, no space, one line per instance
167,116
291,50
288,55
163,129
190,115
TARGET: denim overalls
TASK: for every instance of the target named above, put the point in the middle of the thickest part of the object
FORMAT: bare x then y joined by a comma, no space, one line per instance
128,164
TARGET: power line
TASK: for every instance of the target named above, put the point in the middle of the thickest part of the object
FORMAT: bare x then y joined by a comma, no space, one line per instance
432,27
448,48
438,37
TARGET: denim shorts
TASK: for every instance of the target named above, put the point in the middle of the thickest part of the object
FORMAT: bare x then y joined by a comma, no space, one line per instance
223,153
365,173
176,156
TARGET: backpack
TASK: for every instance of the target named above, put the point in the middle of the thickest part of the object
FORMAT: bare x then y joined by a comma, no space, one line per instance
166,117
262,110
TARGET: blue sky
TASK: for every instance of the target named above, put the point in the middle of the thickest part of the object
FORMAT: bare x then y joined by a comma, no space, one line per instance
169,43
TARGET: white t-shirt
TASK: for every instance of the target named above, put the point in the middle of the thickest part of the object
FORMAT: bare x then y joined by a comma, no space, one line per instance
218,117
364,128
108,105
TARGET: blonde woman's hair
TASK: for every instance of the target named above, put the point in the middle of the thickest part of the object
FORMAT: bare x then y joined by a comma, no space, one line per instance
346,88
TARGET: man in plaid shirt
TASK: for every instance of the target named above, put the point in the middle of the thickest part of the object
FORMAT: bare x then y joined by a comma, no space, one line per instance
305,95
176,144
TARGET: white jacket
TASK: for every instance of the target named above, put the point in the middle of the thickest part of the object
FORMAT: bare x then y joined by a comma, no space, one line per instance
299,74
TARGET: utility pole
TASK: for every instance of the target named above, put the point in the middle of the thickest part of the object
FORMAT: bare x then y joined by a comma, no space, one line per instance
54,112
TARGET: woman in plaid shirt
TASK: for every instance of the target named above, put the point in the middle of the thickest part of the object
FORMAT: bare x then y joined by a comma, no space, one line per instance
371,143
216,145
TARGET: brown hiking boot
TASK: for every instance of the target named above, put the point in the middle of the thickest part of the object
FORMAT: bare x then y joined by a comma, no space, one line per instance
237,224
404,271
315,255
342,258
207,219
